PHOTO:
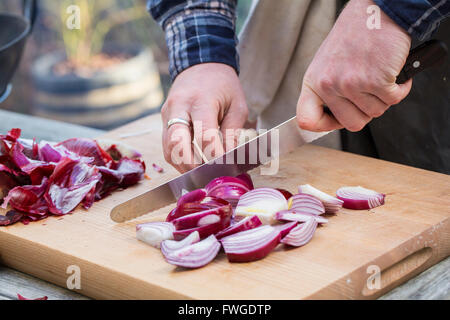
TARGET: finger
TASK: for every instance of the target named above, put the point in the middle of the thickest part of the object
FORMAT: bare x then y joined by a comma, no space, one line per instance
233,122
346,113
393,94
177,139
371,105
310,112
206,129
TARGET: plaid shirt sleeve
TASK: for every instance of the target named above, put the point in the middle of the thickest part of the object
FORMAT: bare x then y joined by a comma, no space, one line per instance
419,17
197,31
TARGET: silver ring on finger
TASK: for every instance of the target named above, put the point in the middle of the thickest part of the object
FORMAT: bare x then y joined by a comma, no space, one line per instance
173,121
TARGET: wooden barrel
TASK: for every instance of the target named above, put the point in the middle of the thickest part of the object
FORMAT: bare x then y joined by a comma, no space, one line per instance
104,100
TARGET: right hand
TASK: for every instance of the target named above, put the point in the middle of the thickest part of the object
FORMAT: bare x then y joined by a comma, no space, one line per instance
208,95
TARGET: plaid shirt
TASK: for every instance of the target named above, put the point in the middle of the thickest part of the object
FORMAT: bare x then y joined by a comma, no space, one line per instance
199,31
419,17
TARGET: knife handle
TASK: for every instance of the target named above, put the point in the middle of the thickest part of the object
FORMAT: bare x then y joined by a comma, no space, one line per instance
428,54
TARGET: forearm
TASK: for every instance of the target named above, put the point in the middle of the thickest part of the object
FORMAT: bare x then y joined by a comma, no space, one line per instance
420,18
197,32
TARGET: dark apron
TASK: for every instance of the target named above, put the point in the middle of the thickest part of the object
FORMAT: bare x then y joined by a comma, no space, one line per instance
415,132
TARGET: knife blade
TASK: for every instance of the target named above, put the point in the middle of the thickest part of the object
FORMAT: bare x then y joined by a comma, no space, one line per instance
265,148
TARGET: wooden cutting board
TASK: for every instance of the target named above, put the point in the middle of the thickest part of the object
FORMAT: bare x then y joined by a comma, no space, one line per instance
410,233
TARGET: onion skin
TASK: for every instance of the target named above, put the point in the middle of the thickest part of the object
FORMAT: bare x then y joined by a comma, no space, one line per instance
195,255
359,198
243,225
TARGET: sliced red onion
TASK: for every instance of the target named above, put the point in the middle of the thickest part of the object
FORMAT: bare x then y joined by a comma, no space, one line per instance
359,198
195,255
262,202
285,193
153,233
204,231
245,224
193,196
202,218
247,179
196,206
301,234
157,168
331,204
290,215
172,245
227,188
306,203
251,245
285,228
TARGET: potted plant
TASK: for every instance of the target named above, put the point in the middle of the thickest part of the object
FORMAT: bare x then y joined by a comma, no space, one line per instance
98,80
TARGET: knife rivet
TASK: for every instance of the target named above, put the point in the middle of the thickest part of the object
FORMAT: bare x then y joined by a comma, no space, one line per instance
416,64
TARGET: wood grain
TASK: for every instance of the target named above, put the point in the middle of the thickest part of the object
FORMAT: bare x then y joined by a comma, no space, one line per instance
334,265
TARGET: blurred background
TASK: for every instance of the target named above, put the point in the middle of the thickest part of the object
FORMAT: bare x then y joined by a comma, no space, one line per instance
110,71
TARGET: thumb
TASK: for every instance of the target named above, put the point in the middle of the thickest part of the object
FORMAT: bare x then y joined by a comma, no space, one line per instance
397,92
232,123
310,112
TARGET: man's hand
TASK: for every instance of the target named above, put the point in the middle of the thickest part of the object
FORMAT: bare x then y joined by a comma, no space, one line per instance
354,72
208,95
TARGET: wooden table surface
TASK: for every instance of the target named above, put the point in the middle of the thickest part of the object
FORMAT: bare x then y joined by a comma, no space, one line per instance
433,283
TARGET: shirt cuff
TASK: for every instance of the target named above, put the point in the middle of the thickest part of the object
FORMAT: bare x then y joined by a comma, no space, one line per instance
200,37
419,18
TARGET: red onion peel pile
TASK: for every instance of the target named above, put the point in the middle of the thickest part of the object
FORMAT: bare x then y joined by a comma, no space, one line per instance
42,179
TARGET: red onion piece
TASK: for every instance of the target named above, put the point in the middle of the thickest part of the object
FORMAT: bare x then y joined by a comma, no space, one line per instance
285,228
290,215
204,231
285,193
301,234
204,217
306,203
195,255
243,225
262,202
157,168
153,233
247,180
172,245
20,297
193,196
227,188
359,198
331,204
251,245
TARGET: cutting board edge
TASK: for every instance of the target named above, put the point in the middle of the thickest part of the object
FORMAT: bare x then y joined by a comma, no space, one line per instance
342,290
43,256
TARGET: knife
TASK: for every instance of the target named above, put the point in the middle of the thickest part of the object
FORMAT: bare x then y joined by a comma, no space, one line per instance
260,150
